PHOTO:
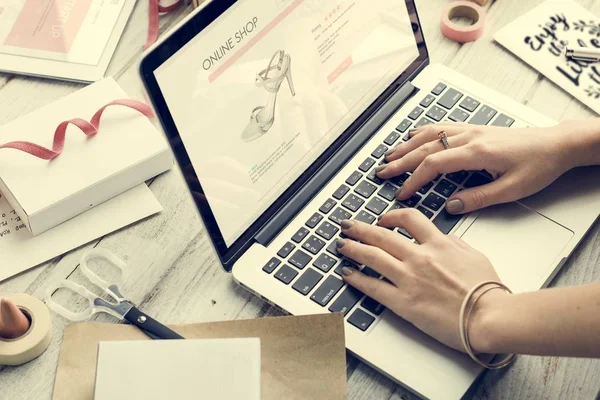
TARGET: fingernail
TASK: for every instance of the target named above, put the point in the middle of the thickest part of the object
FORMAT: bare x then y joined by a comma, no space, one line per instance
390,151
347,271
340,243
346,224
455,206
380,168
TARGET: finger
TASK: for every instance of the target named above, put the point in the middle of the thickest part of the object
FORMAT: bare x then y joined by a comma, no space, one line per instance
413,159
371,256
422,135
379,290
383,238
415,223
447,161
499,191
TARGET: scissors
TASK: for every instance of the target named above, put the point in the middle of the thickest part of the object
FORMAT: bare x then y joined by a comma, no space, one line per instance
120,307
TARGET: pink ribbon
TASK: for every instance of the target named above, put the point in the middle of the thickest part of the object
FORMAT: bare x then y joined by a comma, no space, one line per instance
154,8
88,128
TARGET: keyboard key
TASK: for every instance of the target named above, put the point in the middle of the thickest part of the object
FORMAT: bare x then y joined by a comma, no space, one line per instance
458,177
371,305
313,244
300,259
405,233
271,265
352,179
286,250
374,178
425,212
400,179
426,188
332,248
353,202
436,113
426,102
396,206
341,191
339,214
307,281
391,139
458,115
376,205
438,89
361,319
412,201
450,98
286,274
422,122
327,230
445,188
345,263
433,201
325,262
365,217
347,300
379,151
404,125
327,206
300,235
469,104
446,221
314,220
504,121
370,272
327,290
367,164
388,191
483,116
416,113
365,189
476,180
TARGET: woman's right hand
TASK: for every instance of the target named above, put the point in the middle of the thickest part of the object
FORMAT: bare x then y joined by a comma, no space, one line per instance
522,161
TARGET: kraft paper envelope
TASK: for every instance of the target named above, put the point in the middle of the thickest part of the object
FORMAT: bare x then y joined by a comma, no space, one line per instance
302,357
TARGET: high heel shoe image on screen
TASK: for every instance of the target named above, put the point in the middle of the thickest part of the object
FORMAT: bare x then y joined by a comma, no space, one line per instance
270,78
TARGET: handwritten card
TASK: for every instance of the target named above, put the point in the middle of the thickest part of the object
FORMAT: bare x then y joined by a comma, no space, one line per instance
540,38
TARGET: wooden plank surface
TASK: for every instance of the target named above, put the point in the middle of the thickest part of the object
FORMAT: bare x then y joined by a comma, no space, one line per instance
175,274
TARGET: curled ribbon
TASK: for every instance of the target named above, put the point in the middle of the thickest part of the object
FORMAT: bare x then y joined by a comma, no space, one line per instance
88,128
154,8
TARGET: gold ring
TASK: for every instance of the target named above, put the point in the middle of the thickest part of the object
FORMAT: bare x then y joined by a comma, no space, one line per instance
444,139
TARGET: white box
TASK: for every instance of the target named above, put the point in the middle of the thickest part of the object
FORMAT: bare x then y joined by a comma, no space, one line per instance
215,369
127,151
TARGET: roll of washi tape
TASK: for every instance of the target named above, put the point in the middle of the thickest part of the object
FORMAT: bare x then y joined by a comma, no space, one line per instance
481,2
36,340
462,9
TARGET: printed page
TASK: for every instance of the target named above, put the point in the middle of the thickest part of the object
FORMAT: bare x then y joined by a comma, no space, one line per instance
540,38
264,90
73,31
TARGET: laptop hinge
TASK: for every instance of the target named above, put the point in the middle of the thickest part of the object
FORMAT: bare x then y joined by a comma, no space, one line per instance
329,169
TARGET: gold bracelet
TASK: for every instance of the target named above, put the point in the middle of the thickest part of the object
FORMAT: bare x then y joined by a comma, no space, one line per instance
463,323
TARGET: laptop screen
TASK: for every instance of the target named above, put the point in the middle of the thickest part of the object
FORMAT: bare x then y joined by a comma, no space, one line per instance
264,89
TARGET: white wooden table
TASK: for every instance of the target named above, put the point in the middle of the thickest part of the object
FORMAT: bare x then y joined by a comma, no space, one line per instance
176,276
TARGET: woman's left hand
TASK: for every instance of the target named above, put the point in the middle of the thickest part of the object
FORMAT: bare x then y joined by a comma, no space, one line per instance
429,279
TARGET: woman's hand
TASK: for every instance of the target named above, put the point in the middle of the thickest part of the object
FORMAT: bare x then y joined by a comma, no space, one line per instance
521,161
429,280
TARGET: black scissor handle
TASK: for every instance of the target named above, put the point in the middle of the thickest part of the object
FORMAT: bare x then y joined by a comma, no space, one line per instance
150,326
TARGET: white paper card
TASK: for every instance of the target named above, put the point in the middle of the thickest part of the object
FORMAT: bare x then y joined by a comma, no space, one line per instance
540,37
19,250
223,369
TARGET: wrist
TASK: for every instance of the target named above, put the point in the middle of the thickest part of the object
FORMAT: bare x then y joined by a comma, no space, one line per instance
579,143
485,326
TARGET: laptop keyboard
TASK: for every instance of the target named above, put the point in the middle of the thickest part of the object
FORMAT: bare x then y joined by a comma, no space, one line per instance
309,262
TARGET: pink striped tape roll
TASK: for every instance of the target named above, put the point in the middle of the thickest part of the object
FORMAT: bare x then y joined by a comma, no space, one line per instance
462,9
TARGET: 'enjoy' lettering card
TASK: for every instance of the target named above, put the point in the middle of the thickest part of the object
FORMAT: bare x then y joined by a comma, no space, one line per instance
540,37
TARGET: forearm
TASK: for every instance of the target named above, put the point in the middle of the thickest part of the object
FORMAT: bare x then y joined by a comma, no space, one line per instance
557,322
581,143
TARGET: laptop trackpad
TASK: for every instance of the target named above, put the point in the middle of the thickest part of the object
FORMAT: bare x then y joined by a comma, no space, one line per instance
521,244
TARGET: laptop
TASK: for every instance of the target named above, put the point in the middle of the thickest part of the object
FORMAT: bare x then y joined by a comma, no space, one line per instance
278,111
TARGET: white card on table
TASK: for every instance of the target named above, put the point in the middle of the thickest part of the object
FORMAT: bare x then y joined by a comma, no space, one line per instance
540,37
223,369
